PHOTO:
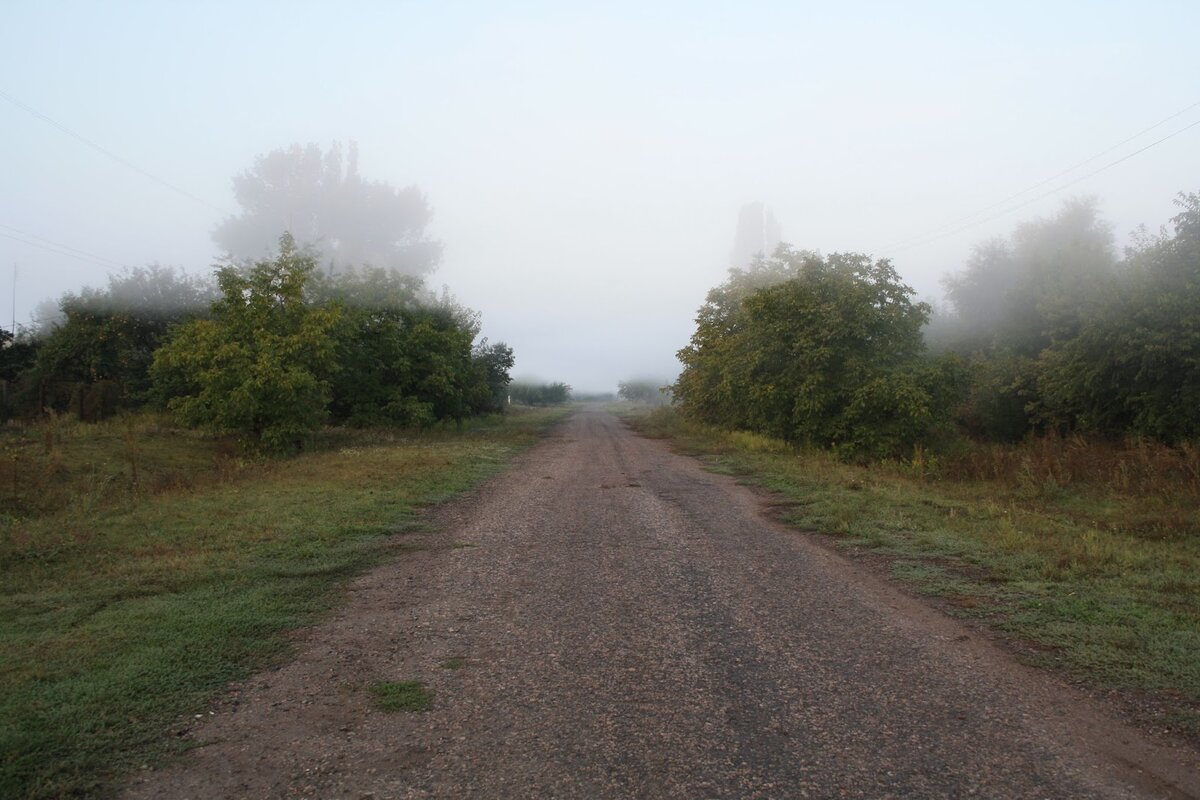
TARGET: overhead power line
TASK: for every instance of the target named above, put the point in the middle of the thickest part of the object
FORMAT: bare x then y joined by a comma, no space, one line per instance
1043,196
1087,161
58,248
972,219
110,154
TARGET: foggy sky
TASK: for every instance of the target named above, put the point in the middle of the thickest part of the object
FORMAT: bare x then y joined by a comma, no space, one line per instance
586,167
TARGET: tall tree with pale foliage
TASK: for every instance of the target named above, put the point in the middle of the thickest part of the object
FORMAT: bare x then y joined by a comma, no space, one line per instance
329,207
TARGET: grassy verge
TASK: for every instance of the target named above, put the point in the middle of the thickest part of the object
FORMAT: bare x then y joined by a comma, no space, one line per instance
1086,579
143,569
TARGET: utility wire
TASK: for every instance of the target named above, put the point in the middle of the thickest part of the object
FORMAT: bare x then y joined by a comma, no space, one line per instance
1044,195
59,245
33,240
57,252
944,230
105,151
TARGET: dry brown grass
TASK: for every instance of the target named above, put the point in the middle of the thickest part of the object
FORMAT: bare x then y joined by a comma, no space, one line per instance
1133,467
60,463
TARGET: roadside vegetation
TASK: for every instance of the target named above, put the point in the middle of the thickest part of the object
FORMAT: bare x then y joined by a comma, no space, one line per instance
146,566
1031,455
335,326
1048,333
645,391
531,393
192,465
272,352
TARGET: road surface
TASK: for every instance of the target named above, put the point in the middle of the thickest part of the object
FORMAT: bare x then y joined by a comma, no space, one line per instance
628,625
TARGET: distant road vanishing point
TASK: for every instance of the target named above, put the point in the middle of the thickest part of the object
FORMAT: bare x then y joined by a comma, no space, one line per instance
608,620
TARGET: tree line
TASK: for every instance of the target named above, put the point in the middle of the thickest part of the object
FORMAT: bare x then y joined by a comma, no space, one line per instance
269,352
1046,330
531,393
292,333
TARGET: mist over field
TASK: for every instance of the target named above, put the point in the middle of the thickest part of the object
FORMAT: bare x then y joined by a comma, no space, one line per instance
583,177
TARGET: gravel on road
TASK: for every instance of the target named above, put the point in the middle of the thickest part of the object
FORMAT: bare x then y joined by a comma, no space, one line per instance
608,620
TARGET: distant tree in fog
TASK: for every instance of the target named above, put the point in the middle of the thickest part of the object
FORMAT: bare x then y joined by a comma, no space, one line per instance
1028,289
1134,366
648,392
325,204
539,394
1017,297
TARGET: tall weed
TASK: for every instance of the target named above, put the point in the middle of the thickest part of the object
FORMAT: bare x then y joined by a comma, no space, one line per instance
1134,467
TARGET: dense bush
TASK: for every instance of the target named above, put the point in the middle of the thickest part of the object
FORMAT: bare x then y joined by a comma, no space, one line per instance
406,358
273,350
400,362
260,365
1134,365
822,351
492,362
286,348
1063,338
104,341
276,347
18,353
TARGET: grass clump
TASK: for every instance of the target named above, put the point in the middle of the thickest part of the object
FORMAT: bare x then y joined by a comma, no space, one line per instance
401,696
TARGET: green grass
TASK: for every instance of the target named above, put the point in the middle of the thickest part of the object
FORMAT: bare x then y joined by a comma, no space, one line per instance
454,662
133,603
401,696
1085,579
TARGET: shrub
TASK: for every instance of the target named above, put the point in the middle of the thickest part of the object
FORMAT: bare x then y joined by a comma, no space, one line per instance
259,368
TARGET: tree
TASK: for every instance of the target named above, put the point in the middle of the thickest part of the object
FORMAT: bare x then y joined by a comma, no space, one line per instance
492,364
704,386
825,351
16,354
108,336
1023,292
1018,297
1134,366
328,206
406,357
647,392
260,366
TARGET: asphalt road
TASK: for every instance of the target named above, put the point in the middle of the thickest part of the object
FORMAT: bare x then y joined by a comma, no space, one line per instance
633,626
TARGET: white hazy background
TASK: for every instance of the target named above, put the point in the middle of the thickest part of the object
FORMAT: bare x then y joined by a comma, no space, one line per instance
586,165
